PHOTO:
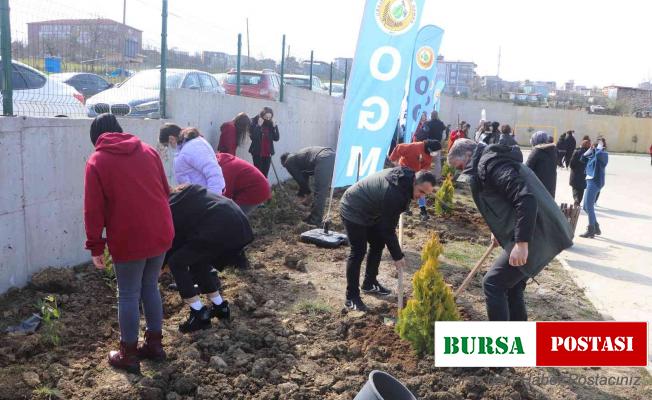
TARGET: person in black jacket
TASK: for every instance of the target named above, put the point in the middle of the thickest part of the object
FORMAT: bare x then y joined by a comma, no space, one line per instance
577,178
493,136
313,161
543,160
434,129
570,148
210,230
506,137
561,149
518,210
370,210
263,134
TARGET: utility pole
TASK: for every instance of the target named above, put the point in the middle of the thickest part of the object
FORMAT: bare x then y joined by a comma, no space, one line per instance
248,54
500,92
124,12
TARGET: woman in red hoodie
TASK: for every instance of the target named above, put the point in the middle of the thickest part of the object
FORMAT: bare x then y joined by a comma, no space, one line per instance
233,134
245,184
126,193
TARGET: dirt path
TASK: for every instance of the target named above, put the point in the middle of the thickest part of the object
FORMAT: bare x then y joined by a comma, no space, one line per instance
290,338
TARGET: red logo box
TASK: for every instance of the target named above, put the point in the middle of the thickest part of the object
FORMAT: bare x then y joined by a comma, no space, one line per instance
592,344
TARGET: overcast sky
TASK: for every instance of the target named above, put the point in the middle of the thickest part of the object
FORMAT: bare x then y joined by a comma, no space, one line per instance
594,43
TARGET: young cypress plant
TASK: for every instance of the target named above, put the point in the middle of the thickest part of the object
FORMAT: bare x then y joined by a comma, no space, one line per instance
444,197
432,301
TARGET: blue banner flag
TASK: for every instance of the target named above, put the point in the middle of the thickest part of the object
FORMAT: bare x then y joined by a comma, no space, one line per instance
376,87
422,78
439,88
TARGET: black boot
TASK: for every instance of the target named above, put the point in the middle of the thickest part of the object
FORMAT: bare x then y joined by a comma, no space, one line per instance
590,232
223,311
424,214
198,319
597,229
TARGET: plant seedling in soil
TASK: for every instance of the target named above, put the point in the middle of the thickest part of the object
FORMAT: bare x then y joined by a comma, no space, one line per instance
313,307
433,301
47,393
108,271
50,313
444,197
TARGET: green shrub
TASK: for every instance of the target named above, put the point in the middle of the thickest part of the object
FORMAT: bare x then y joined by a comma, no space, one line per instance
432,301
444,197
50,313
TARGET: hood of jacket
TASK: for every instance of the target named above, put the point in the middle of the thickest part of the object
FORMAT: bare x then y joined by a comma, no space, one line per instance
117,143
224,158
486,157
402,177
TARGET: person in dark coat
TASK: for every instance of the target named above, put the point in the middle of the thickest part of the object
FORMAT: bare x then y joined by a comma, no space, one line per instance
263,133
506,136
570,148
210,230
522,216
577,178
561,149
434,129
492,136
318,162
370,211
543,160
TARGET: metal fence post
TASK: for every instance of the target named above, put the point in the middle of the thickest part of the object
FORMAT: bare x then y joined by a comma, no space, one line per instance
164,60
282,69
330,86
5,52
346,76
311,59
238,64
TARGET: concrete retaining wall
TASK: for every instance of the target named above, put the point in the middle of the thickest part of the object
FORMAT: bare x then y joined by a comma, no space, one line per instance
618,131
42,169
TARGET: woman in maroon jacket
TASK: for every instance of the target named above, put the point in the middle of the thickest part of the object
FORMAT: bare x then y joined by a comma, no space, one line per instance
233,134
126,192
245,184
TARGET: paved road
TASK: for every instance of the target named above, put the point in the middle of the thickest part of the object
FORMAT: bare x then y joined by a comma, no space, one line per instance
616,268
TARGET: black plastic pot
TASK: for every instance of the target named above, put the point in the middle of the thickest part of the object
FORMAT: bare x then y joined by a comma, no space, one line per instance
383,386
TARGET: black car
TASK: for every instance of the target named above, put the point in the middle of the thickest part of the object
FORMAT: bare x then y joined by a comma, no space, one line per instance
85,83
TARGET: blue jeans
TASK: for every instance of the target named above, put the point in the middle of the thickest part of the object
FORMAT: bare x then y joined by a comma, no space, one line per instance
503,288
590,197
138,281
422,201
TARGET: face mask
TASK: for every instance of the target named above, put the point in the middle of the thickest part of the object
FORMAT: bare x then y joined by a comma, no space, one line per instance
600,146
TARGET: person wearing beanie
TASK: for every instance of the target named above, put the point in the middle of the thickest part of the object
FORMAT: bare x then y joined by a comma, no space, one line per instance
577,179
543,160
418,157
125,193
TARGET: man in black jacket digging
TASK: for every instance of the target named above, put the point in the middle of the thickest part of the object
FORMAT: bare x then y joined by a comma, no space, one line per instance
370,210
522,216
317,162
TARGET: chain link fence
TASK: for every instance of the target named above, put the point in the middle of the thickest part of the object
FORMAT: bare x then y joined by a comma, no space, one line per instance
80,58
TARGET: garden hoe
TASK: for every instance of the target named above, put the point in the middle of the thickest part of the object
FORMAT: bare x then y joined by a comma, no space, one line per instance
475,269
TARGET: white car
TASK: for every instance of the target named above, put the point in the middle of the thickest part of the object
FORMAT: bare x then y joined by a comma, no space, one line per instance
35,95
338,90
303,81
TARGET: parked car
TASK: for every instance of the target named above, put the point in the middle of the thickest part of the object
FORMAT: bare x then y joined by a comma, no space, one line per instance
138,96
34,94
85,83
338,90
303,81
265,84
221,77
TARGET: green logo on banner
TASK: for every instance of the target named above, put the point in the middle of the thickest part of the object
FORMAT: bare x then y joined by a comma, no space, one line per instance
483,345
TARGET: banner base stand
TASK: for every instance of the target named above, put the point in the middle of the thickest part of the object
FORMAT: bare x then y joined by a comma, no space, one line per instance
324,237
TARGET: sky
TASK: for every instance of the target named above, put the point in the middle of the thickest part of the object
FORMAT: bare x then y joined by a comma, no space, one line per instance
594,43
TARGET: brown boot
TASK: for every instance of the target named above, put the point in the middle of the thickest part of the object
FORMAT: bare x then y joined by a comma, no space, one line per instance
152,348
126,358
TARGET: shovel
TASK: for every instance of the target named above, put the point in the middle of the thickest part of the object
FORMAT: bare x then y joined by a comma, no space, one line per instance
475,269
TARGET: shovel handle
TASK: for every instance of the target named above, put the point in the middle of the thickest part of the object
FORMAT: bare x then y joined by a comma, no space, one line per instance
475,269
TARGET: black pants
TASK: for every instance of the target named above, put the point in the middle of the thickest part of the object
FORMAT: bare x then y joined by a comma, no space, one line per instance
567,158
189,267
262,163
359,236
503,288
578,194
561,156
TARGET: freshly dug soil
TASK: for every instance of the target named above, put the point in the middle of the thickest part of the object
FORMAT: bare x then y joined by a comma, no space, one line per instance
290,337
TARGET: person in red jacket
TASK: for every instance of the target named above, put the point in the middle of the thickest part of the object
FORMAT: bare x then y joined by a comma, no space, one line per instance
416,156
460,133
245,184
126,193
233,134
